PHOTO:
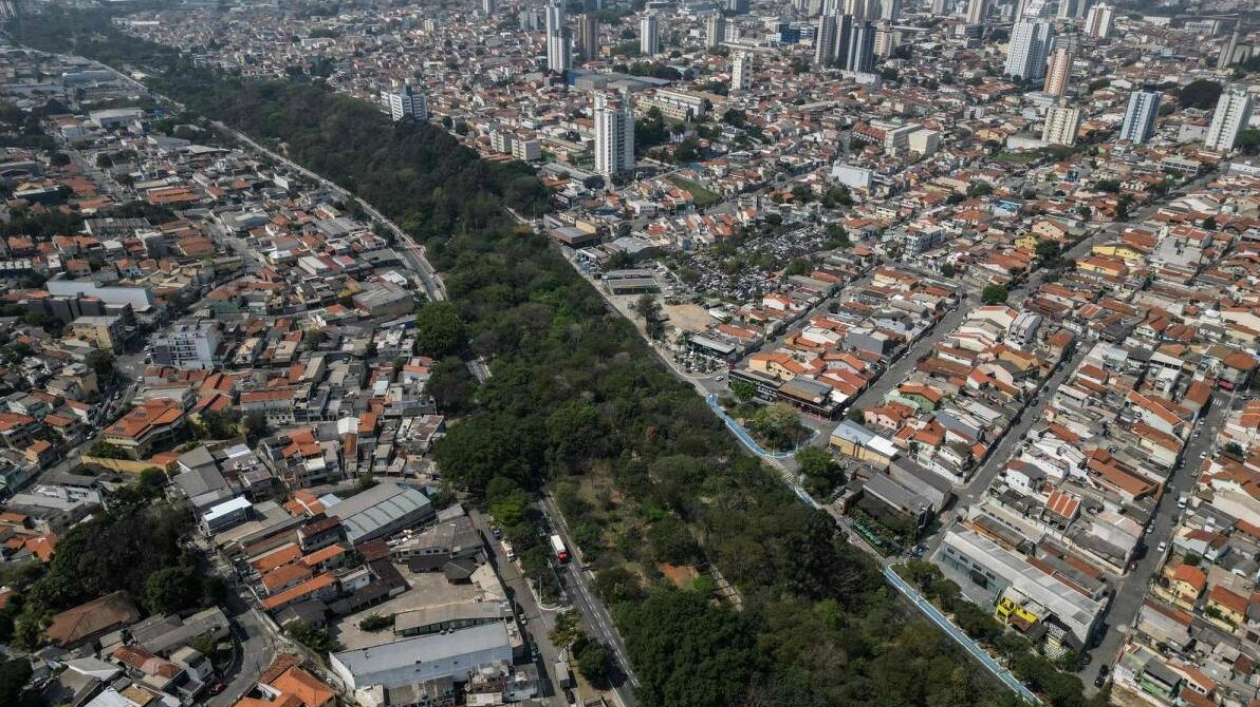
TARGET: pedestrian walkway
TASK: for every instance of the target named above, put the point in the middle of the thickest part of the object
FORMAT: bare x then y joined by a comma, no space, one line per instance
747,438
961,638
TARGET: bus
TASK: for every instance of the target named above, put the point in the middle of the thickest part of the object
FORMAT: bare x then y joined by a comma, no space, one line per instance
558,549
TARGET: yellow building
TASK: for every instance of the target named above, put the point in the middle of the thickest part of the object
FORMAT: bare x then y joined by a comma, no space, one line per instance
1018,611
1117,250
854,440
1106,266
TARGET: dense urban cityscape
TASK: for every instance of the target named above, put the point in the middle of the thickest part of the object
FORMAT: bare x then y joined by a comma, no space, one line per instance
705,353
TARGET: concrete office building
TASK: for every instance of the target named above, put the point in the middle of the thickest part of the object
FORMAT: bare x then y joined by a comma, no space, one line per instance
825,40
1139,118
1233,113
614,134
1030,45
188,345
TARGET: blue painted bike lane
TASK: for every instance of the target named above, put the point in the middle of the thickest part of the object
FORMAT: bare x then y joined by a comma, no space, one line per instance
742,433
979,653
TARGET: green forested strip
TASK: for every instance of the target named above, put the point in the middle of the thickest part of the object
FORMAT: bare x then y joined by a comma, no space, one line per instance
641,468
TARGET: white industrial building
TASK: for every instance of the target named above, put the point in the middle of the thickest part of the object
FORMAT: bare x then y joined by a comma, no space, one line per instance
455,655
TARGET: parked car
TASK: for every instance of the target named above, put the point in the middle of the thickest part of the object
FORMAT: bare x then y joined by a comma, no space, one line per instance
1101,679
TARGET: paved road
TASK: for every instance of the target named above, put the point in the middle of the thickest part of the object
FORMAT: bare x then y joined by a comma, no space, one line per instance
1130,591
576,583
255,650
539,621
979,483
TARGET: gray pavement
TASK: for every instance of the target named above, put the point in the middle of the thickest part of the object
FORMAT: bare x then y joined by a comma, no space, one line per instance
539,621
575,580
1130,591
254,649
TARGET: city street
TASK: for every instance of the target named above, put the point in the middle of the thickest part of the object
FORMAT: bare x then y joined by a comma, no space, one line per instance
254,650
1130,591
539,622
595,616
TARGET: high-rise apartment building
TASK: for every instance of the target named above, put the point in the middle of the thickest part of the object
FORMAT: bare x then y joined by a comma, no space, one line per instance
825,40
614,134
1058,72
588,37
741,72
559,39
859,54
714,31
404,103
1098,21
649,36
1030,45
1062,125
1139,118
1233,112
976,11
885,39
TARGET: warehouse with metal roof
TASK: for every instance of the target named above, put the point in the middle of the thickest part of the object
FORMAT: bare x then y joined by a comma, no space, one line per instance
381,511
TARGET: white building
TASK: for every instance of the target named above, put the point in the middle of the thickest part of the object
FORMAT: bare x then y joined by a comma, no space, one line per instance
527,150
1233,112
741,70
1098,21
1030,46
924,142
400,104
1139,118
454,655
649,36
676,105
187,345
559,41
1062,125
614,134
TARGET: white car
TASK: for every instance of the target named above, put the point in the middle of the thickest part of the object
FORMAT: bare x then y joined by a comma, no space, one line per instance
1162,546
